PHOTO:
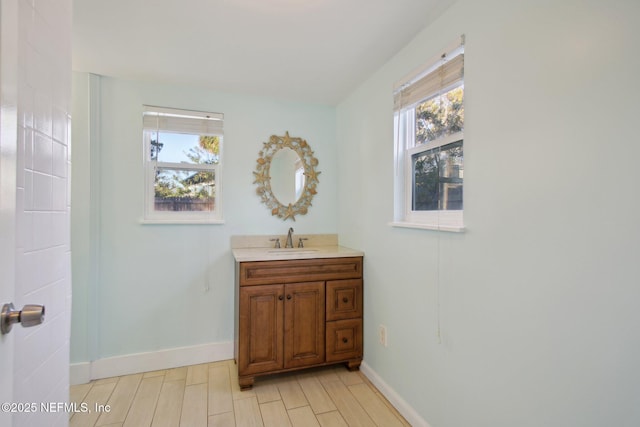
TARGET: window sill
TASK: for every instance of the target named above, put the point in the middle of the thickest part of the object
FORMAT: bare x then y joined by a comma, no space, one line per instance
169,221
421,226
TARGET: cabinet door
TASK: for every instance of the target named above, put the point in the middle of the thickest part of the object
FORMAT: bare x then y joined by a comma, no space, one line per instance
260,329
304,334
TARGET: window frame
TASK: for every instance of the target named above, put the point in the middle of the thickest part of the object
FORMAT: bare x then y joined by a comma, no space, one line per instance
406,148
153,216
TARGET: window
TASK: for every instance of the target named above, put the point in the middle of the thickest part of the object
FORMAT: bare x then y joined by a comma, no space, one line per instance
429,133
183,162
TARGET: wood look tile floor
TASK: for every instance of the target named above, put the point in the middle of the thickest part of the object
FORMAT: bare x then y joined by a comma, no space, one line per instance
208,395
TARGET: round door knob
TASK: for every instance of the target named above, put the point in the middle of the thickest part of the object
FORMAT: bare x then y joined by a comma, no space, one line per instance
30,315
345,300
281,297
288,296
344,340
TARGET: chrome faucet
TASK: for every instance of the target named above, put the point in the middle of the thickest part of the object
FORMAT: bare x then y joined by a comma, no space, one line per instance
289,243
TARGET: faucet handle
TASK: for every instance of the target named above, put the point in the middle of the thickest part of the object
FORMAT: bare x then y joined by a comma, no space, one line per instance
277,244
300,244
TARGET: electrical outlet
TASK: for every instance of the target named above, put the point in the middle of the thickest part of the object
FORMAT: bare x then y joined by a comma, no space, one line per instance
382,335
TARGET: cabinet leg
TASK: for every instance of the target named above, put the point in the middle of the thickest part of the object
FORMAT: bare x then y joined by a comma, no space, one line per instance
246,383
354,365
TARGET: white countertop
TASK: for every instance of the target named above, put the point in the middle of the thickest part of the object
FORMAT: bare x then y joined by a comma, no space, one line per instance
273,254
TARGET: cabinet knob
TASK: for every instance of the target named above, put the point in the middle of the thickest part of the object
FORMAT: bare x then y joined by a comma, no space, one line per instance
345,300
288,296
344,340
281,297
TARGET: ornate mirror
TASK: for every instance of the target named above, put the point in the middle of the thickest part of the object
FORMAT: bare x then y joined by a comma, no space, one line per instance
286,176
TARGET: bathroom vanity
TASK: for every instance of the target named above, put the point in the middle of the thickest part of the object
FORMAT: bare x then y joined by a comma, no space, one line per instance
296,307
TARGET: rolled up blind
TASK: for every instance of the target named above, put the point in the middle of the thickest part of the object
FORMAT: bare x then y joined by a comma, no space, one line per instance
182,121
446,75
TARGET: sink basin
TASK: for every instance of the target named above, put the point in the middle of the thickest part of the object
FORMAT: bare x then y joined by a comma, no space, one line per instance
288,251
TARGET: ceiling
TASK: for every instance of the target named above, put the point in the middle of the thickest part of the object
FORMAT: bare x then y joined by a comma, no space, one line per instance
314,51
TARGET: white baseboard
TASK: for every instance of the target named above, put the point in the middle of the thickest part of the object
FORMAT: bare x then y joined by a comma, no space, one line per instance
81,373
394,398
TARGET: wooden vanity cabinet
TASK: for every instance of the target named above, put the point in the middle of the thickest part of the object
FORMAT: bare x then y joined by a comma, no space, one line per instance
297,313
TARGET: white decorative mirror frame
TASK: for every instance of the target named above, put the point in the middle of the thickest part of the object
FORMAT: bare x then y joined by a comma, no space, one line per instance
263,176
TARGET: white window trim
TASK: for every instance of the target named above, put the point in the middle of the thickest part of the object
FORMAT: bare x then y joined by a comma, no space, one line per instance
151,216
405,148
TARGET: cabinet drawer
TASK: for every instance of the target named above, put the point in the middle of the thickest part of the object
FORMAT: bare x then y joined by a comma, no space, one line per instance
299,270
344,299
344,340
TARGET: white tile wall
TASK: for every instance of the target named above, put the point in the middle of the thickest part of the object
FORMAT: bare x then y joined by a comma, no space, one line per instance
41,369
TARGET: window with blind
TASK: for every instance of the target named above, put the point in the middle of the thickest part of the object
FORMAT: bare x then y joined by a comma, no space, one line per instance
183,163
429,141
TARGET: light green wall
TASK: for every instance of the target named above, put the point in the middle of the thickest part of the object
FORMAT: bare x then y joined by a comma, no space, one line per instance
167,286
80,220
538,299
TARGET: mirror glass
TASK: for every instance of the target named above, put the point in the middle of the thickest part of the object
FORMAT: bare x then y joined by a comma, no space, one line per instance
287,176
